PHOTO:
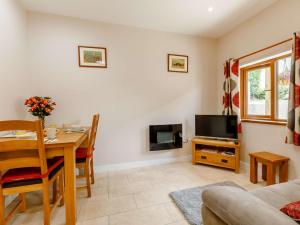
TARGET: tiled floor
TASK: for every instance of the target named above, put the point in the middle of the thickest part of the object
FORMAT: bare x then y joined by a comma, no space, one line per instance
136,196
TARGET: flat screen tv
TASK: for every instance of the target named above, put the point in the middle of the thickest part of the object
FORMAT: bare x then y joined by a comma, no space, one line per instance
216,126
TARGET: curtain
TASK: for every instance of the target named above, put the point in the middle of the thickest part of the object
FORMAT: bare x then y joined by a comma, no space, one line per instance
231,87
293,122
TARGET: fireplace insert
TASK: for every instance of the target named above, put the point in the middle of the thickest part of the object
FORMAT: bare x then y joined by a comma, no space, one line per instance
164,137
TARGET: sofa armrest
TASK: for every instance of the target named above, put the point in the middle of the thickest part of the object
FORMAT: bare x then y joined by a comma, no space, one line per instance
238,207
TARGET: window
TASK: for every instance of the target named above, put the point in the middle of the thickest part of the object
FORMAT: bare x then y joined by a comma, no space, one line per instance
265,91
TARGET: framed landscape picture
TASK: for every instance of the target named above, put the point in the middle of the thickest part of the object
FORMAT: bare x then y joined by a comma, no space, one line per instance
178,63
92,57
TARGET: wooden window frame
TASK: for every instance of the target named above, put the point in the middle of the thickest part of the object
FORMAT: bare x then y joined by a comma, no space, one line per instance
268,119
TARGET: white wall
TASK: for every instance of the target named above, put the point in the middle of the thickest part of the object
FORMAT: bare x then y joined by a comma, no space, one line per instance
276,23
134,91
13,71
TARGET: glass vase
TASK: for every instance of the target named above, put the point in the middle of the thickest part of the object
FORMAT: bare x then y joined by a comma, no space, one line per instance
43,121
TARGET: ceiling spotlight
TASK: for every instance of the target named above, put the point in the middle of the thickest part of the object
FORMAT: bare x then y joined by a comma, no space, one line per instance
210,9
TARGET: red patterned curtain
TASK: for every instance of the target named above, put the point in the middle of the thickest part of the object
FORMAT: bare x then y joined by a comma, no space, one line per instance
293,123
231,87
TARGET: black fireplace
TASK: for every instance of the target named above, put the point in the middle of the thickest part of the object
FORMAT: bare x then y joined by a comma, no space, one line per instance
163,137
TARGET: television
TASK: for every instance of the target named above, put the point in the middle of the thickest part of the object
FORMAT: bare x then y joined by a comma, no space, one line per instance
216,126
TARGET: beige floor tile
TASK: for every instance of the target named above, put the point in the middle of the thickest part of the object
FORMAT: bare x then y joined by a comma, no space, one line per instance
29,219
153,197
132,188
99,207
98,221
156,215
182,222
145,176
101,182
118,180
163,185
174,212
99,191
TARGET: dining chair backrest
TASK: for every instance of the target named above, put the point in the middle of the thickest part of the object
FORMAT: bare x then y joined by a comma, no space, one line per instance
93,133
23,152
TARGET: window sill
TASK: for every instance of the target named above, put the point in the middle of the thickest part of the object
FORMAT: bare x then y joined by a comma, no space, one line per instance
271,122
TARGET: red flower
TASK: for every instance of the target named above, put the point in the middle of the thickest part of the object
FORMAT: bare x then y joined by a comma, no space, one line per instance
40,106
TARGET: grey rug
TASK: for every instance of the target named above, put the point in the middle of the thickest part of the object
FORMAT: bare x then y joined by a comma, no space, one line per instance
189,201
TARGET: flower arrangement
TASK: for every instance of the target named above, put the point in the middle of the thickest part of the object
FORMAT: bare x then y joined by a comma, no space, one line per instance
40,106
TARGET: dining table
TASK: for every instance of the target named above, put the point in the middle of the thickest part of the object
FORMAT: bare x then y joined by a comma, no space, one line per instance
65,144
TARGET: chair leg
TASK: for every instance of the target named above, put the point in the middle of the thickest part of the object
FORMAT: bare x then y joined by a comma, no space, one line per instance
88,178
46,202
22,199
2,207
54,189
92,171
62,188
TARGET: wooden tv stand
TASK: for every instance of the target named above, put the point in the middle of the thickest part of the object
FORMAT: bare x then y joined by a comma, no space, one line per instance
212,152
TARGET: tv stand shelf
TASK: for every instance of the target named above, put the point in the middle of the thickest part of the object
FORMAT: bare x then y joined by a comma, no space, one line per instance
220,153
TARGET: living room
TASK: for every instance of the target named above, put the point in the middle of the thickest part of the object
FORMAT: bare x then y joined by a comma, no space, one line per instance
157,66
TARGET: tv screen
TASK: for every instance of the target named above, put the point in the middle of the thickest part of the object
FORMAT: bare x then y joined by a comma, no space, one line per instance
216,126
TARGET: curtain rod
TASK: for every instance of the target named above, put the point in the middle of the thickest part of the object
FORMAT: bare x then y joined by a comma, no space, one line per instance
263,49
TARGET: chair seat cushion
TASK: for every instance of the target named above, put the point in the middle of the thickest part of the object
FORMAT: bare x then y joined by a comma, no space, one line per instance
81,153
80,160
30,175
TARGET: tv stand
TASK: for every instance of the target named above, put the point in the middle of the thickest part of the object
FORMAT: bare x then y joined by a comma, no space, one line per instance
220,153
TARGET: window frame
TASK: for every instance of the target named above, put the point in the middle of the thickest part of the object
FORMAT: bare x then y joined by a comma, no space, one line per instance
266,119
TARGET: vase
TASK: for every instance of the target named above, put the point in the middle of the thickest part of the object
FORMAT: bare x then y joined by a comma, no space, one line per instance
43,121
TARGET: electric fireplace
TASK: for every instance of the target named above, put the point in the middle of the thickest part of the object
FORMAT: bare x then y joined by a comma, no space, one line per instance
164,137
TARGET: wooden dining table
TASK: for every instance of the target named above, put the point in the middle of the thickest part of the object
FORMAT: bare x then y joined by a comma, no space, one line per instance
65,145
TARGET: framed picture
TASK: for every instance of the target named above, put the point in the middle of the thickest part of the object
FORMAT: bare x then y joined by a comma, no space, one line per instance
92,57
178,63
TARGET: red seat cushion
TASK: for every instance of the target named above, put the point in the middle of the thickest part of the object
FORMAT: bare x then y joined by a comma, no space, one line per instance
292,210
30,173
81,153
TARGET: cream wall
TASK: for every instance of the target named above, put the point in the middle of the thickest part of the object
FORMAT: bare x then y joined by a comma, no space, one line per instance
13,70
276,23
134,91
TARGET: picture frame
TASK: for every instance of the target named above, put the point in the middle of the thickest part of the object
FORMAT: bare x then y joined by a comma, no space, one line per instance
178,63
94,57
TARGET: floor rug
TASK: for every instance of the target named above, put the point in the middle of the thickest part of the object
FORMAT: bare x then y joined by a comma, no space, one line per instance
189,201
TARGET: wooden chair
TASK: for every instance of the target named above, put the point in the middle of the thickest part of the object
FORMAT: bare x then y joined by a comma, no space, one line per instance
84,157
24,168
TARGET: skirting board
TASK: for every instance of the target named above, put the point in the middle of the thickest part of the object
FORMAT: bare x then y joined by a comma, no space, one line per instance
136,164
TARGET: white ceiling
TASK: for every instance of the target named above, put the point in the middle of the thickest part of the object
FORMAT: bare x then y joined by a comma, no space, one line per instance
180,16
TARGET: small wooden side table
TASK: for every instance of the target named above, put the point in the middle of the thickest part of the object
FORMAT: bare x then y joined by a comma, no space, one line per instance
269,163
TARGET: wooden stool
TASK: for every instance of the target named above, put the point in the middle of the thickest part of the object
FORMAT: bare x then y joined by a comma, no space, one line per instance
269,162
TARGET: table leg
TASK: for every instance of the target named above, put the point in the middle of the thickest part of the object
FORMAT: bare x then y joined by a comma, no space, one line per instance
271,169
264,172
70,186
253,169
283,172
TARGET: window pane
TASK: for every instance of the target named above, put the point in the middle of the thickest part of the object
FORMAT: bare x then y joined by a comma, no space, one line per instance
283,70
259,92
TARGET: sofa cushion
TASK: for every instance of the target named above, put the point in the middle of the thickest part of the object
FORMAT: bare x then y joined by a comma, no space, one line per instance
279,195
236,206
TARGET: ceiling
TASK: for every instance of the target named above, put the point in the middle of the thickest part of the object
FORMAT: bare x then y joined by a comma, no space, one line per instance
179,16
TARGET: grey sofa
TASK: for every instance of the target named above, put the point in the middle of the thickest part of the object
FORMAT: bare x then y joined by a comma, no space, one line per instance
235,206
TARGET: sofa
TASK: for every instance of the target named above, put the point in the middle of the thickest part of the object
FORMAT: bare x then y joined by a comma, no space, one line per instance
230,205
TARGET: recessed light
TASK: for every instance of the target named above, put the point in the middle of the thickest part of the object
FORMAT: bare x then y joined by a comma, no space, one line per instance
210,9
